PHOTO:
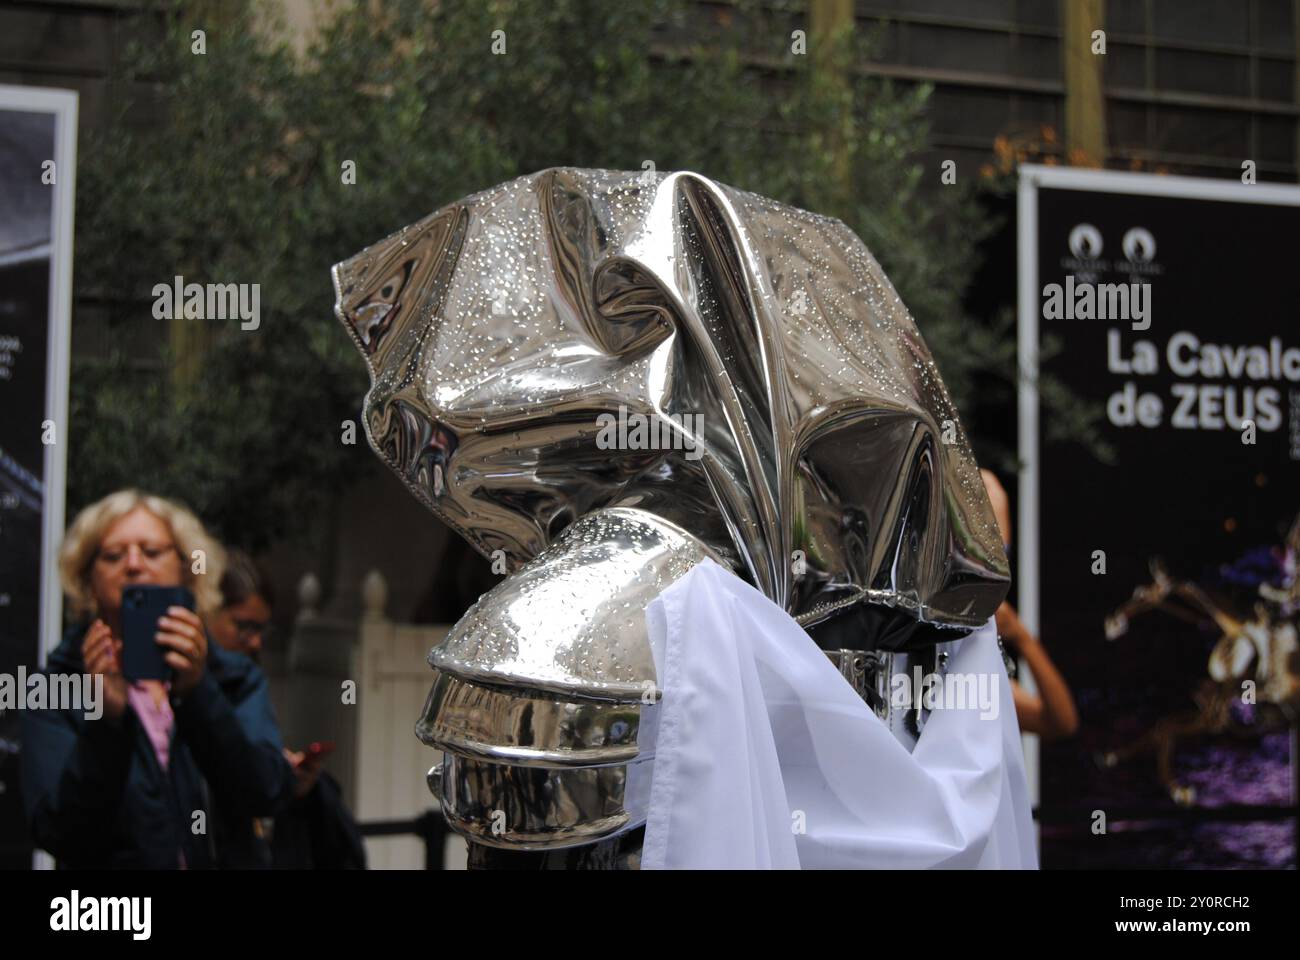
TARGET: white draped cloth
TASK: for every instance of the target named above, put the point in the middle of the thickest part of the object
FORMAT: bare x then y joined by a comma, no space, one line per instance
765,757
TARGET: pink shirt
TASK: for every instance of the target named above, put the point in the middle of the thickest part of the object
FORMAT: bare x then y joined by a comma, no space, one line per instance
156,717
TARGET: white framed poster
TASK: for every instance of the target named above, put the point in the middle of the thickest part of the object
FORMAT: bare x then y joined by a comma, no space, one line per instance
38,147
1164,580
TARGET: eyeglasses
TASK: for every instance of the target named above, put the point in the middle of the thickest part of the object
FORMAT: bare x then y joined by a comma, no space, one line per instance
248,629
153,553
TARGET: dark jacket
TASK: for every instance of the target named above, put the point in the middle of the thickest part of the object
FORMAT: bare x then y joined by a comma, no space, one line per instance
97,797
317,832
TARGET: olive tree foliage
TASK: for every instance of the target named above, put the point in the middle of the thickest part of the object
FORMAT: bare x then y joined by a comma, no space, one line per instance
232,166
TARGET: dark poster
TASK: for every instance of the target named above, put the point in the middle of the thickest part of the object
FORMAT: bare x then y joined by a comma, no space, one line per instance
30,497
1187,688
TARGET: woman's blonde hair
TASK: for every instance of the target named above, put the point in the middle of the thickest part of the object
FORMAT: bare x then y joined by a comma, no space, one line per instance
81,545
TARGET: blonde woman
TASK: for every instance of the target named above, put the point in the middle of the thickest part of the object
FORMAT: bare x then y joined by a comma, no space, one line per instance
172,774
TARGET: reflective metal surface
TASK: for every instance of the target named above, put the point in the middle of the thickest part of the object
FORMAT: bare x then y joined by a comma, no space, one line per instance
545,698
763,342
868,673
572,621
524,728
620,852
538,808
608,377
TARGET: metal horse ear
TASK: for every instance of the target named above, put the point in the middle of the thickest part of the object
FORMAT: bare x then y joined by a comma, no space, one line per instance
500,328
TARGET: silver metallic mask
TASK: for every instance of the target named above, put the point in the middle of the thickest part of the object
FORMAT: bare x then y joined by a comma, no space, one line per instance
609,376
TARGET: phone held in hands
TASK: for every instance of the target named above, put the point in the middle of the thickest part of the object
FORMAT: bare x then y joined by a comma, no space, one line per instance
317,750
142,605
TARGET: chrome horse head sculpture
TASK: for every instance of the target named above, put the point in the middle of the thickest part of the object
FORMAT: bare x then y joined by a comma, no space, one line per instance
603,378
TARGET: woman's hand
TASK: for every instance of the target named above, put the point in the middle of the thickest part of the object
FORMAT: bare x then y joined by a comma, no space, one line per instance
182,631
102,655
306,771
1012,629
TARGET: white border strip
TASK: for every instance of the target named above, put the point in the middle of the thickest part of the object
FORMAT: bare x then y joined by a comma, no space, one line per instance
1153,185
23,256
60,351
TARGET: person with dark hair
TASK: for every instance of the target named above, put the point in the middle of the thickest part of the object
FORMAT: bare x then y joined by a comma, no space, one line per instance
315,831
243,622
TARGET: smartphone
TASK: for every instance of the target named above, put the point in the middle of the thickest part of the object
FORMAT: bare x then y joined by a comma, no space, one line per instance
317,750
142,605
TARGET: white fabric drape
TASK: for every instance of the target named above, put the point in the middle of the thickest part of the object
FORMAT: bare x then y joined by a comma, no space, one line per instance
760,737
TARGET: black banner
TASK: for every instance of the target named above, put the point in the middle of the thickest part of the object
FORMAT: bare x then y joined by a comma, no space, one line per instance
1167,589
37,172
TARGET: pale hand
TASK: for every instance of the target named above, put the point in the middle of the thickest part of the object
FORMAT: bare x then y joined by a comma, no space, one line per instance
181,632
103,655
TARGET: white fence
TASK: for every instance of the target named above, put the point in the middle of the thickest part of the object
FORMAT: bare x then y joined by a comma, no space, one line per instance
379,761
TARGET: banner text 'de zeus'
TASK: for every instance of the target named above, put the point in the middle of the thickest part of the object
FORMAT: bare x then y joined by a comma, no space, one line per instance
1222,386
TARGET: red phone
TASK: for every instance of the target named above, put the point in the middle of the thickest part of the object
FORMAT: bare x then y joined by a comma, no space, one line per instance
317,750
